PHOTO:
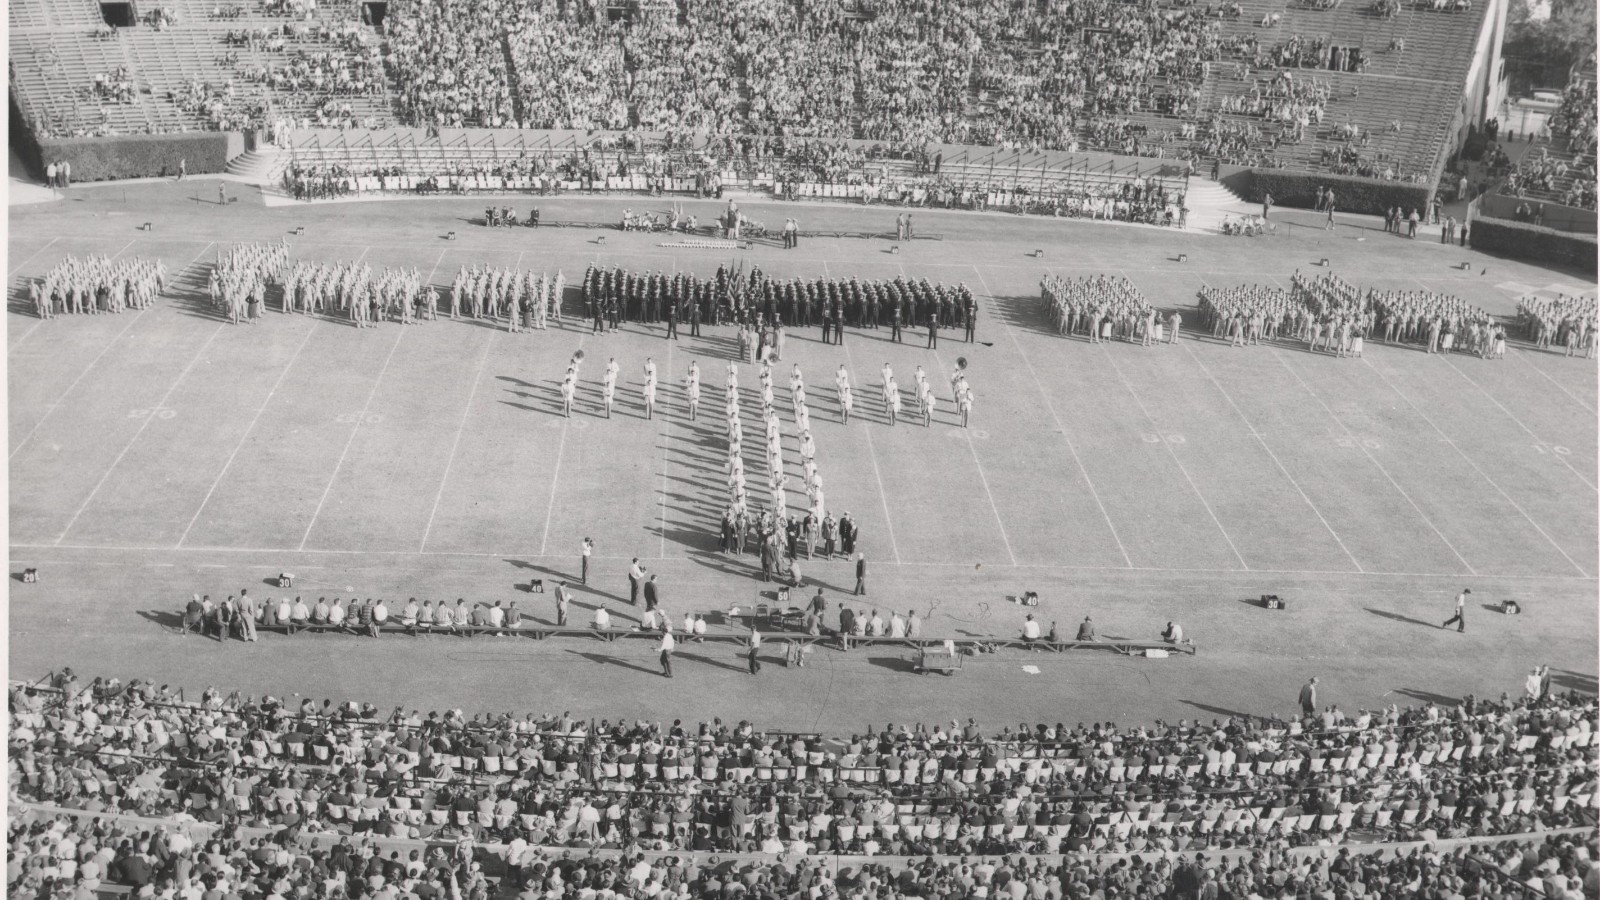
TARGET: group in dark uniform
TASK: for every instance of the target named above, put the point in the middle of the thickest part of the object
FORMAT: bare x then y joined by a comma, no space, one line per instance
614,295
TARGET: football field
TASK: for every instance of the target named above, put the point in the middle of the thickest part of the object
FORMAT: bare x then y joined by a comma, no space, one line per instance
160,453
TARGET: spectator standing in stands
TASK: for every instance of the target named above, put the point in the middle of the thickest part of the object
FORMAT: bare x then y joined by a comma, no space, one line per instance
1308,697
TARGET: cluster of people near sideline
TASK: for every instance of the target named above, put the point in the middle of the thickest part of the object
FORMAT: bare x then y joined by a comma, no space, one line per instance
97,284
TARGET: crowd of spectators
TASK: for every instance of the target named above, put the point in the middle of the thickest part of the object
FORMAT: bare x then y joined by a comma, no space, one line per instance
56,854
1481,768
1567,174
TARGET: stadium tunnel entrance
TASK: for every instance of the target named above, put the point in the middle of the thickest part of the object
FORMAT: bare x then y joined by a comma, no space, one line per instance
118,15
374,12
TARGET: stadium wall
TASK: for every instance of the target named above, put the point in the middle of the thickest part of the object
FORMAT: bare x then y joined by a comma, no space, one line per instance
1367,196
1520,240
124,156
1557,216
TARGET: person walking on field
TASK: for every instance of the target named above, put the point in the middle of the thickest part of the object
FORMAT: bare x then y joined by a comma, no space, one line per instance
1308,697
1460,618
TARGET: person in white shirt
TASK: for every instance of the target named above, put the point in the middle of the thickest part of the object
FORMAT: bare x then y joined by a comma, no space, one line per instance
497,616
602,623
408,616
1030,629
897,626
667,646
380,615
1173,634
699,629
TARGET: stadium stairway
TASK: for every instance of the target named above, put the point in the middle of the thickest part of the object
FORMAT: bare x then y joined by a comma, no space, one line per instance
259,166
1209,201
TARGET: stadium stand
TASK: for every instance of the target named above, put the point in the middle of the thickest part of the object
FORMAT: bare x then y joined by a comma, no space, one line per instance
1154,78
1483,768
1563,170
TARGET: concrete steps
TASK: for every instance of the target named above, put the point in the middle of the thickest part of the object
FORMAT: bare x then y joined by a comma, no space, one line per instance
1209,201
262,167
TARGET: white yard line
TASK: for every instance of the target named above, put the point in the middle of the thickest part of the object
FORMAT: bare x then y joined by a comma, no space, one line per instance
872,454
96,361
1374,461
982,477
348,443
1110,358
1454,446
1279,463
1513,418
1519,354
160,404
555,472
18,266
666,457
244,437
1071,448
466,410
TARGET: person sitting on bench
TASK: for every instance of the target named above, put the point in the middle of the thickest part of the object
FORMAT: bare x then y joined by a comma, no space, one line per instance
1173,633
1030,629
1086,630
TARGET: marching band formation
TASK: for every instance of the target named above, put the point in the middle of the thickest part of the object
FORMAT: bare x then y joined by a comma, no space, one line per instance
1333,315
614,295
1105,308
1566,321
97,284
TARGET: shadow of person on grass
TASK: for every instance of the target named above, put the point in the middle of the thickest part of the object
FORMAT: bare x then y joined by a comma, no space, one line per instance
1218,710
1428,696
1399,618
700,658
171,621
604,659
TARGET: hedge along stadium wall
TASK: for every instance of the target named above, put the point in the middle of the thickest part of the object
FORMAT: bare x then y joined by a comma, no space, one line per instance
1524,241
132,156
1367,196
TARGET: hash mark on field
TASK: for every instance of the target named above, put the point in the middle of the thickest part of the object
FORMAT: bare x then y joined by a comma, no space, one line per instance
1368,453
353,432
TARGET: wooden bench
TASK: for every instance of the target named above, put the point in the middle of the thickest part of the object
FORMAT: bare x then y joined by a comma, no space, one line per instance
541,631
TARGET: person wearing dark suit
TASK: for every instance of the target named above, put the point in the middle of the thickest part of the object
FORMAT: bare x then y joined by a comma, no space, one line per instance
847,624
933,330
1308,697
652,594
861,574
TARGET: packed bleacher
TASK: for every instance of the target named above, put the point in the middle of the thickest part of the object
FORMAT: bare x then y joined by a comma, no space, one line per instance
53,850
1563,170
1153,78
1482,768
